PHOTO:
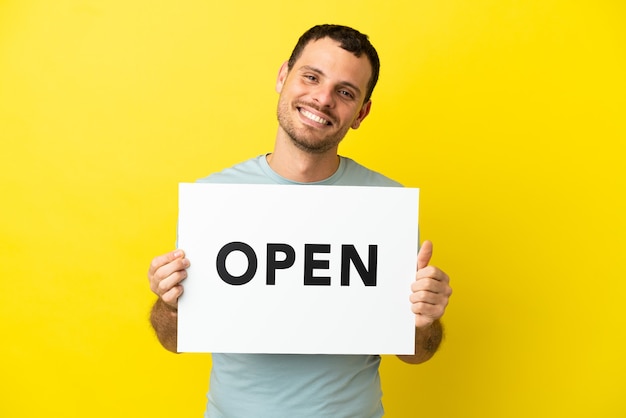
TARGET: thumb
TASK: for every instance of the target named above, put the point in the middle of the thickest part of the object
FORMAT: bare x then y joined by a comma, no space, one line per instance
424,254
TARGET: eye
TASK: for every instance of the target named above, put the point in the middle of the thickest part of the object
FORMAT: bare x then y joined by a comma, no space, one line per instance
346,94
310,77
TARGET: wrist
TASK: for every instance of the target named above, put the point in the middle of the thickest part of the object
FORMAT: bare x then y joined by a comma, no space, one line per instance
166,307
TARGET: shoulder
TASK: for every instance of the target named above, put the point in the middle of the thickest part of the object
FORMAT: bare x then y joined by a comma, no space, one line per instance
250,171
358,175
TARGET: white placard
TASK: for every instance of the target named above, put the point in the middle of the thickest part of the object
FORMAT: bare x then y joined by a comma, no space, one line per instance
301,300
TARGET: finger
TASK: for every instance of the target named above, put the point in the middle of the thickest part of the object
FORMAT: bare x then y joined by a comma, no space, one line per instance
171,297
170,282
429,309
429,298
430,285
178,264
432,272
424,254
433,310
162,260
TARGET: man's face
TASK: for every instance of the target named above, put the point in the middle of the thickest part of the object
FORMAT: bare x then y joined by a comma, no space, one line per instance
321,98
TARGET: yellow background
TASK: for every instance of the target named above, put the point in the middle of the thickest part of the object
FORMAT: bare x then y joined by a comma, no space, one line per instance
508,114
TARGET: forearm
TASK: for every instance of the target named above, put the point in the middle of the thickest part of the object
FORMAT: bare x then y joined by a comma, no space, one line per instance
427,341
164,320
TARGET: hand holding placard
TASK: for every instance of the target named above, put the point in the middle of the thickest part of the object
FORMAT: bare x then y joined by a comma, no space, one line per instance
431,289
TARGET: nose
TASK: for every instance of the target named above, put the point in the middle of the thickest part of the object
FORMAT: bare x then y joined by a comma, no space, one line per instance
324,96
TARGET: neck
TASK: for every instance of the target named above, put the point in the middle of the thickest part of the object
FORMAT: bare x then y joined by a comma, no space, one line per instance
298,165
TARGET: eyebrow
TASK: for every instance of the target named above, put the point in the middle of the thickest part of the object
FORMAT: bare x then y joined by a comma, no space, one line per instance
320,72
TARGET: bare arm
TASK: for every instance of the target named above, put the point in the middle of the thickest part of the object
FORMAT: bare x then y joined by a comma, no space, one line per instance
164,320
427,341
165,275
431,292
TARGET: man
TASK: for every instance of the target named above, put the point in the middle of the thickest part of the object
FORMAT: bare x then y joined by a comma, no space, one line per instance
325,90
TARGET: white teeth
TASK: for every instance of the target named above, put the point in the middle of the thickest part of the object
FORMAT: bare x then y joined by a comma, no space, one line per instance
313,117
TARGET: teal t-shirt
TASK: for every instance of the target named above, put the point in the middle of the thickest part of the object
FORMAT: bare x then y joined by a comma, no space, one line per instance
295,385
258,171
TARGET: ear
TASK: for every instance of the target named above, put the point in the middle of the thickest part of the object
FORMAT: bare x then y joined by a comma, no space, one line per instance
365,110
282,76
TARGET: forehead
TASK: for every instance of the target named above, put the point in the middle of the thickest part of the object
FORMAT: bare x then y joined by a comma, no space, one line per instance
335,62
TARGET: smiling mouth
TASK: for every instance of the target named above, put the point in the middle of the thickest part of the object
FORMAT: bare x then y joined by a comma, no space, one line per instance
314,117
